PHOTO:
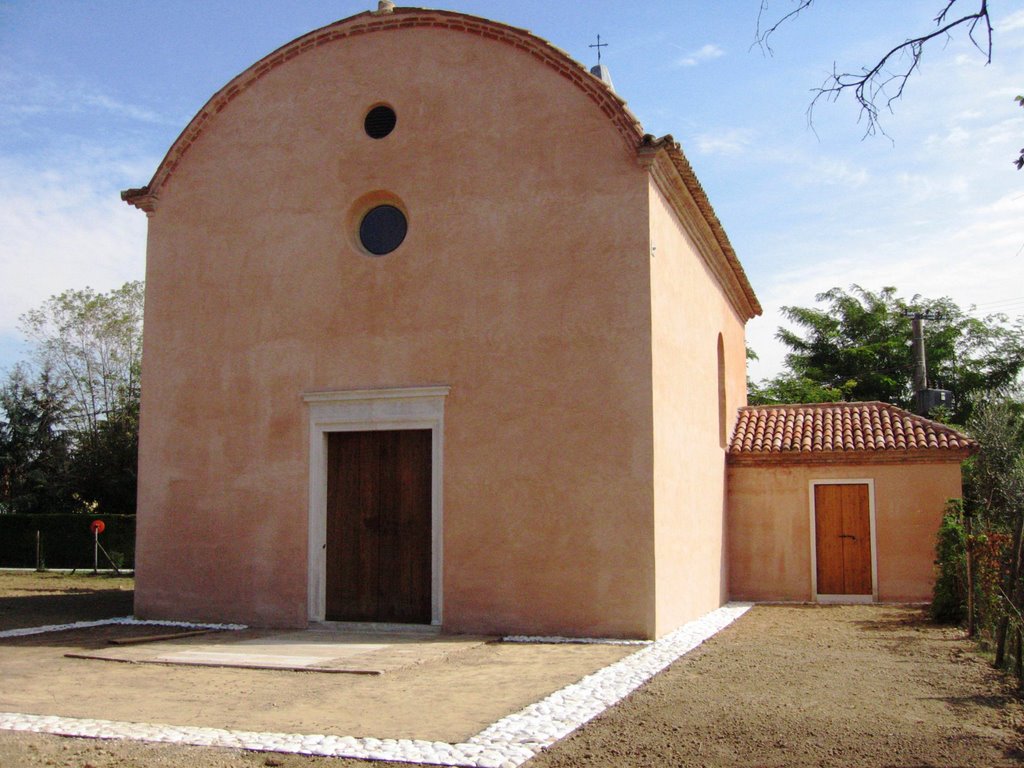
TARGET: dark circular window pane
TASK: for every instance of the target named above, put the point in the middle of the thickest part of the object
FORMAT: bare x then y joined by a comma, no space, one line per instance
383,229
380,121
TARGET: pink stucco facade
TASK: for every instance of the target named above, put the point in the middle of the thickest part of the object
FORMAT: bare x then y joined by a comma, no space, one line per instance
566,293
770,541
689,316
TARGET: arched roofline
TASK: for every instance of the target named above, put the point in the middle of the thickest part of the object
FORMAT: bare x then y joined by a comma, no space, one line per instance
381,21
663,157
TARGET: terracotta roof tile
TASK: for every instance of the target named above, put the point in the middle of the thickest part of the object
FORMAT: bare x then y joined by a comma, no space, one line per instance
835,430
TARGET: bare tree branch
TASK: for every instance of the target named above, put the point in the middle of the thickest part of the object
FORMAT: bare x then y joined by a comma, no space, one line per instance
875,88
1019,162
763,35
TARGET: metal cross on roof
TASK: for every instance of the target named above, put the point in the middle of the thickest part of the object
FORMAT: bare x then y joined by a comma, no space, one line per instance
599,45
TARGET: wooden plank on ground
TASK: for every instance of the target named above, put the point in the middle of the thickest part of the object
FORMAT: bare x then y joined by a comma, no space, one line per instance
157,638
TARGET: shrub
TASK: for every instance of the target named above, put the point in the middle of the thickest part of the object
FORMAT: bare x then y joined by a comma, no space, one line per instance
950,596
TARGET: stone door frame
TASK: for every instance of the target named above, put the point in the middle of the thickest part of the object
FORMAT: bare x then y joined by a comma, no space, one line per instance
362,410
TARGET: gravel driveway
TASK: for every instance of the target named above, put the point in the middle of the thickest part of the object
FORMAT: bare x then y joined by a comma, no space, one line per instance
783,686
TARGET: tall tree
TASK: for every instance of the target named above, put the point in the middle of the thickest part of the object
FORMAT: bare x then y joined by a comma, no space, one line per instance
92,343
994,495
34,451
857,348
104,467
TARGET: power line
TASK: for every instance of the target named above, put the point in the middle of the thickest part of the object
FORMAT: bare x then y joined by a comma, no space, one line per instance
1008,309
1014,300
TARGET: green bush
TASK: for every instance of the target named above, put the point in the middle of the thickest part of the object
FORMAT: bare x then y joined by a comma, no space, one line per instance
949,602
66,540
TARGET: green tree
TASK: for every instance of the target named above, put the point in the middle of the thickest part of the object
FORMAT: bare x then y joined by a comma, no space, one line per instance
91,343
857,348
994,496
791,388
949,598
994,478
104,466
34,451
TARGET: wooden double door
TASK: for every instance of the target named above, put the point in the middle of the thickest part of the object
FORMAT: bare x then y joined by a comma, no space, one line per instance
842,533
379,526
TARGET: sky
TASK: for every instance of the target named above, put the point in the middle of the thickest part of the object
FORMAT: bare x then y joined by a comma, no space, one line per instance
92,94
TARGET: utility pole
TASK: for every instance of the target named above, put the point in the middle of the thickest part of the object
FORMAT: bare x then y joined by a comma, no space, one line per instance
920,379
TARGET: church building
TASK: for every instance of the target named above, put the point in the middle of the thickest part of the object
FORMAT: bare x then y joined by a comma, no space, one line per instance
436,334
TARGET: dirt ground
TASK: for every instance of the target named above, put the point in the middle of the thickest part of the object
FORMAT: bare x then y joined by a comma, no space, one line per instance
814,686
449,699
29,599
783,686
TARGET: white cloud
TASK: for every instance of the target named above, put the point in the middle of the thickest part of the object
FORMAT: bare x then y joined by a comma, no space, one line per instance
923,187
25,94
120,109
732,141
938,213
65,227
66,151
955,137
833,171
972,257
704,53
1013,22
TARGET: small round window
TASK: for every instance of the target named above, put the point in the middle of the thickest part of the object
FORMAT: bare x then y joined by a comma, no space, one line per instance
379,122
382,229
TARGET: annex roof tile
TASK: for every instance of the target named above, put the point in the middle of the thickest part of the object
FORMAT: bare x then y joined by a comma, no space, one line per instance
842,432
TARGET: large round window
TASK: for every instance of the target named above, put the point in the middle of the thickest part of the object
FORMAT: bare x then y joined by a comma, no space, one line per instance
382,229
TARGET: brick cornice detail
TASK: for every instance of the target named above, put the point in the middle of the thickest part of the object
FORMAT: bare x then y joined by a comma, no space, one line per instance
141,199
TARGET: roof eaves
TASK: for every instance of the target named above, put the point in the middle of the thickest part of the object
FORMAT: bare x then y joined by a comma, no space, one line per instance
845,458
647,151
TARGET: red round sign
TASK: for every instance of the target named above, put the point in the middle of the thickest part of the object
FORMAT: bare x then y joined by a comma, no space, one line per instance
97,526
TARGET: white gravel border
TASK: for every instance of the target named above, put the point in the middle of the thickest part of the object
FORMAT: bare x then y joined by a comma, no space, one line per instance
508,743
557,640
25,631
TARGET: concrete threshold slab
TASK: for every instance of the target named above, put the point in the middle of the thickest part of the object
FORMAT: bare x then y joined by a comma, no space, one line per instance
313,650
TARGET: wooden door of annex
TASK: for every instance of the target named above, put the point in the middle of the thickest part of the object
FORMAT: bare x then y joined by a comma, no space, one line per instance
379,526
842,528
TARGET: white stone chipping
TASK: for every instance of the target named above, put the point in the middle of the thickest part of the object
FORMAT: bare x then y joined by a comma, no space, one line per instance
130,620
508,743
557,640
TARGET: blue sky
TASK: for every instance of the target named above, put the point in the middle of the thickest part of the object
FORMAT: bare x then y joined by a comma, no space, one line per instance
93,94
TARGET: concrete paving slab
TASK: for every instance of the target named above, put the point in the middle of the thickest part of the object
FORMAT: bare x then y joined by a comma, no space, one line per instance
313,650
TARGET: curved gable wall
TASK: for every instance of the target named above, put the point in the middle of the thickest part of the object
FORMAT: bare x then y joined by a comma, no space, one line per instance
523,284
694,205
361,24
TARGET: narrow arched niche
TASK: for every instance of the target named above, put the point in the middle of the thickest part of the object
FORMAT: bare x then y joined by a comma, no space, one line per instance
722,436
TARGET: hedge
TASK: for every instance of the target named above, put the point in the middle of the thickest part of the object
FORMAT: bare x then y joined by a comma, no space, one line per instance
66,541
